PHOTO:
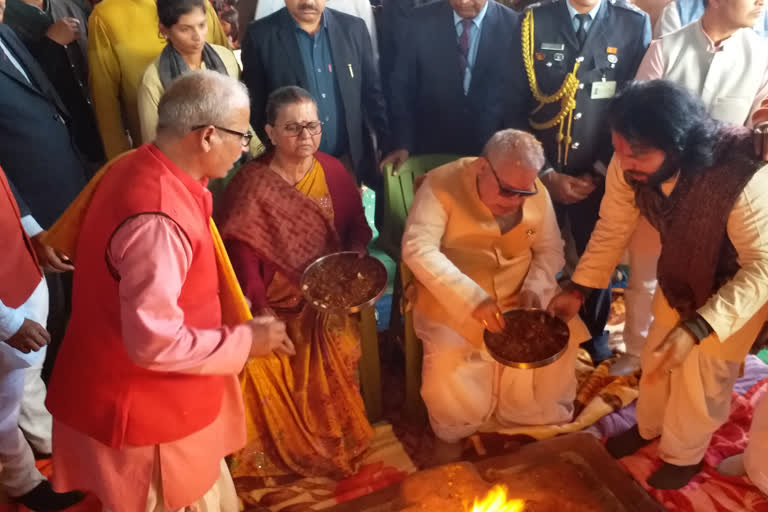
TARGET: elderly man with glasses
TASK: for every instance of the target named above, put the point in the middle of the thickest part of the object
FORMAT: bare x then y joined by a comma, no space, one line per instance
482,238
144,395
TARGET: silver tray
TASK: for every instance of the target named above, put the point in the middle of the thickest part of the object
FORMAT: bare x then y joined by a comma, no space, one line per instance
352,309
532,364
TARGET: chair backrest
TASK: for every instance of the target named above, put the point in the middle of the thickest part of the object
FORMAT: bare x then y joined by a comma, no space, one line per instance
399,190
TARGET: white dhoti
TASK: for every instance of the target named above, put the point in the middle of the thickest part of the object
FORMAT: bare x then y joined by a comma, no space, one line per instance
755,460
19,474
463,387
222,497
685,406
644,250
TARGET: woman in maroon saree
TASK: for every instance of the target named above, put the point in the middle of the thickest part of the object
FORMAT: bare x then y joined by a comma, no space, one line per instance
281,212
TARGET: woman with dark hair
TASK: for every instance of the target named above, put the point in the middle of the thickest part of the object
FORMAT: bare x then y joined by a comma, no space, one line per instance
699,184
279,214
183,24
231,25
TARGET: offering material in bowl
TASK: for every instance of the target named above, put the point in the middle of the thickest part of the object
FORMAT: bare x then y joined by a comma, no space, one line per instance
343,281
530,338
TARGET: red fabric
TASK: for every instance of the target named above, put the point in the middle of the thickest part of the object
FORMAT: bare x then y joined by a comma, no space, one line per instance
19,272
710,491
254,267
95,387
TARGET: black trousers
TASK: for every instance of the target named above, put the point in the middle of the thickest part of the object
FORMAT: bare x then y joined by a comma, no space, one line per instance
581,218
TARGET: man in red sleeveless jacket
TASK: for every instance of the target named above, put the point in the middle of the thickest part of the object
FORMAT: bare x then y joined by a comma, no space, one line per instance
23,339
144,394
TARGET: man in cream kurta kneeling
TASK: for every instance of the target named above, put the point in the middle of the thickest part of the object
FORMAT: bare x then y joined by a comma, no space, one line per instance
482,238
697,182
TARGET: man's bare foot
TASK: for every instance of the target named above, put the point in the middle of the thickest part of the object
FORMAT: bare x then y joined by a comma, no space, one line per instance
445,453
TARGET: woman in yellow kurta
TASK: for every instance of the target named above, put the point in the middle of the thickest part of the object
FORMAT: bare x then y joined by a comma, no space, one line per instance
123,40
281,212
183,23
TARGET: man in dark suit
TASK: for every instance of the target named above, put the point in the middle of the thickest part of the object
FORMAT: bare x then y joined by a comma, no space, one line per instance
575,55
449,86
36,148
329,54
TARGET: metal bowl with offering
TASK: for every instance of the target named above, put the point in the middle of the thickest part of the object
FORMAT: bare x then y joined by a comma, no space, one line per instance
344,282
531,338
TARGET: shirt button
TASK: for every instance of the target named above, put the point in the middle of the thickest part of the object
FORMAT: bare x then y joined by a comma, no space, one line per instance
318,70
323,95
327,118
575,145
577,115
581,86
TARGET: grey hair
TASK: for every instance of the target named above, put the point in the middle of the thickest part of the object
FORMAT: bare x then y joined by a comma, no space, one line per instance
200,98
516,144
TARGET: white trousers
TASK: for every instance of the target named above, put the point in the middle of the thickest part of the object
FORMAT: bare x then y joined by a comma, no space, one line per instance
644,250
685,406
756,454
463,387
19,474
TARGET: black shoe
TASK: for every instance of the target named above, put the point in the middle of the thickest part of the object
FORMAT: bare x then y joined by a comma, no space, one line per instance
598,348
669,476
44,499
626,444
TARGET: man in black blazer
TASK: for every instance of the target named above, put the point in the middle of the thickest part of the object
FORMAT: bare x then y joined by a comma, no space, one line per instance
329,54
448,88
36,148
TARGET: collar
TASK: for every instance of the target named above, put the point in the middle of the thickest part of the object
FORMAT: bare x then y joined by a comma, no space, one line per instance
323,24
711,47
592,14
477,20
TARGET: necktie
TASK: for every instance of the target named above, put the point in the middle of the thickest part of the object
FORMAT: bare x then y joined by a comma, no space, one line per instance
581,31
464,46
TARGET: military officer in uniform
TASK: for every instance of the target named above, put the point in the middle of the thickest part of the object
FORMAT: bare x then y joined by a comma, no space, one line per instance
575,55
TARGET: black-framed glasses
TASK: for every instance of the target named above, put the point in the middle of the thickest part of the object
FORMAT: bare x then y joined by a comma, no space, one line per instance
245,137
295,129
506,191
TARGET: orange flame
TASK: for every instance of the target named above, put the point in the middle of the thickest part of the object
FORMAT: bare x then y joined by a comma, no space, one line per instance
496,501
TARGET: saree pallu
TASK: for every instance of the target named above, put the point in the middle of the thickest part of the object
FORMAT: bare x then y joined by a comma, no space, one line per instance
304,413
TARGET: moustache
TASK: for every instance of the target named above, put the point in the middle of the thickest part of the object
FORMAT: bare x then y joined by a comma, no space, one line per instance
307,7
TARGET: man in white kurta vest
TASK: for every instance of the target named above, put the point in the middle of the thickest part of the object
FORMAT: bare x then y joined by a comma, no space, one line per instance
482,238
720,59
697,181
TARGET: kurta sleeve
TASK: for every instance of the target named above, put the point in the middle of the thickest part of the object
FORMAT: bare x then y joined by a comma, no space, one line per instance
104,78
743,296
652,65
147,98
11,320
152,256
424,230
548,258
617,222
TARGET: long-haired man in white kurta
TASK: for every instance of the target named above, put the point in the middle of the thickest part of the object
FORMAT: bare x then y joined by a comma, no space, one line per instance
482,238
697,181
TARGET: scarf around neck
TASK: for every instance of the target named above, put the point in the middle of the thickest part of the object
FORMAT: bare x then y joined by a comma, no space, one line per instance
171,64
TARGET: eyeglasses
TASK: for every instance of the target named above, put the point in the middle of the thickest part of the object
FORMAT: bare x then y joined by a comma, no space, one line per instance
295,129
506,191
245,138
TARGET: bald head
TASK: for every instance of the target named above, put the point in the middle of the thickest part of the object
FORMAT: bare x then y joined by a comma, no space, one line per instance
200,98
514,149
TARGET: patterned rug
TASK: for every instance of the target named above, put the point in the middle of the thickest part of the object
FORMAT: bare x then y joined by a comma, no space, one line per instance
386,462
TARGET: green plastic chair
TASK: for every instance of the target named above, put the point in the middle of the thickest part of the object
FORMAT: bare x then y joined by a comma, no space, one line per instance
398,193
399,190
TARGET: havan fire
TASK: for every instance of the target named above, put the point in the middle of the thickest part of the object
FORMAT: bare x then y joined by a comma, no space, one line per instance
496,501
